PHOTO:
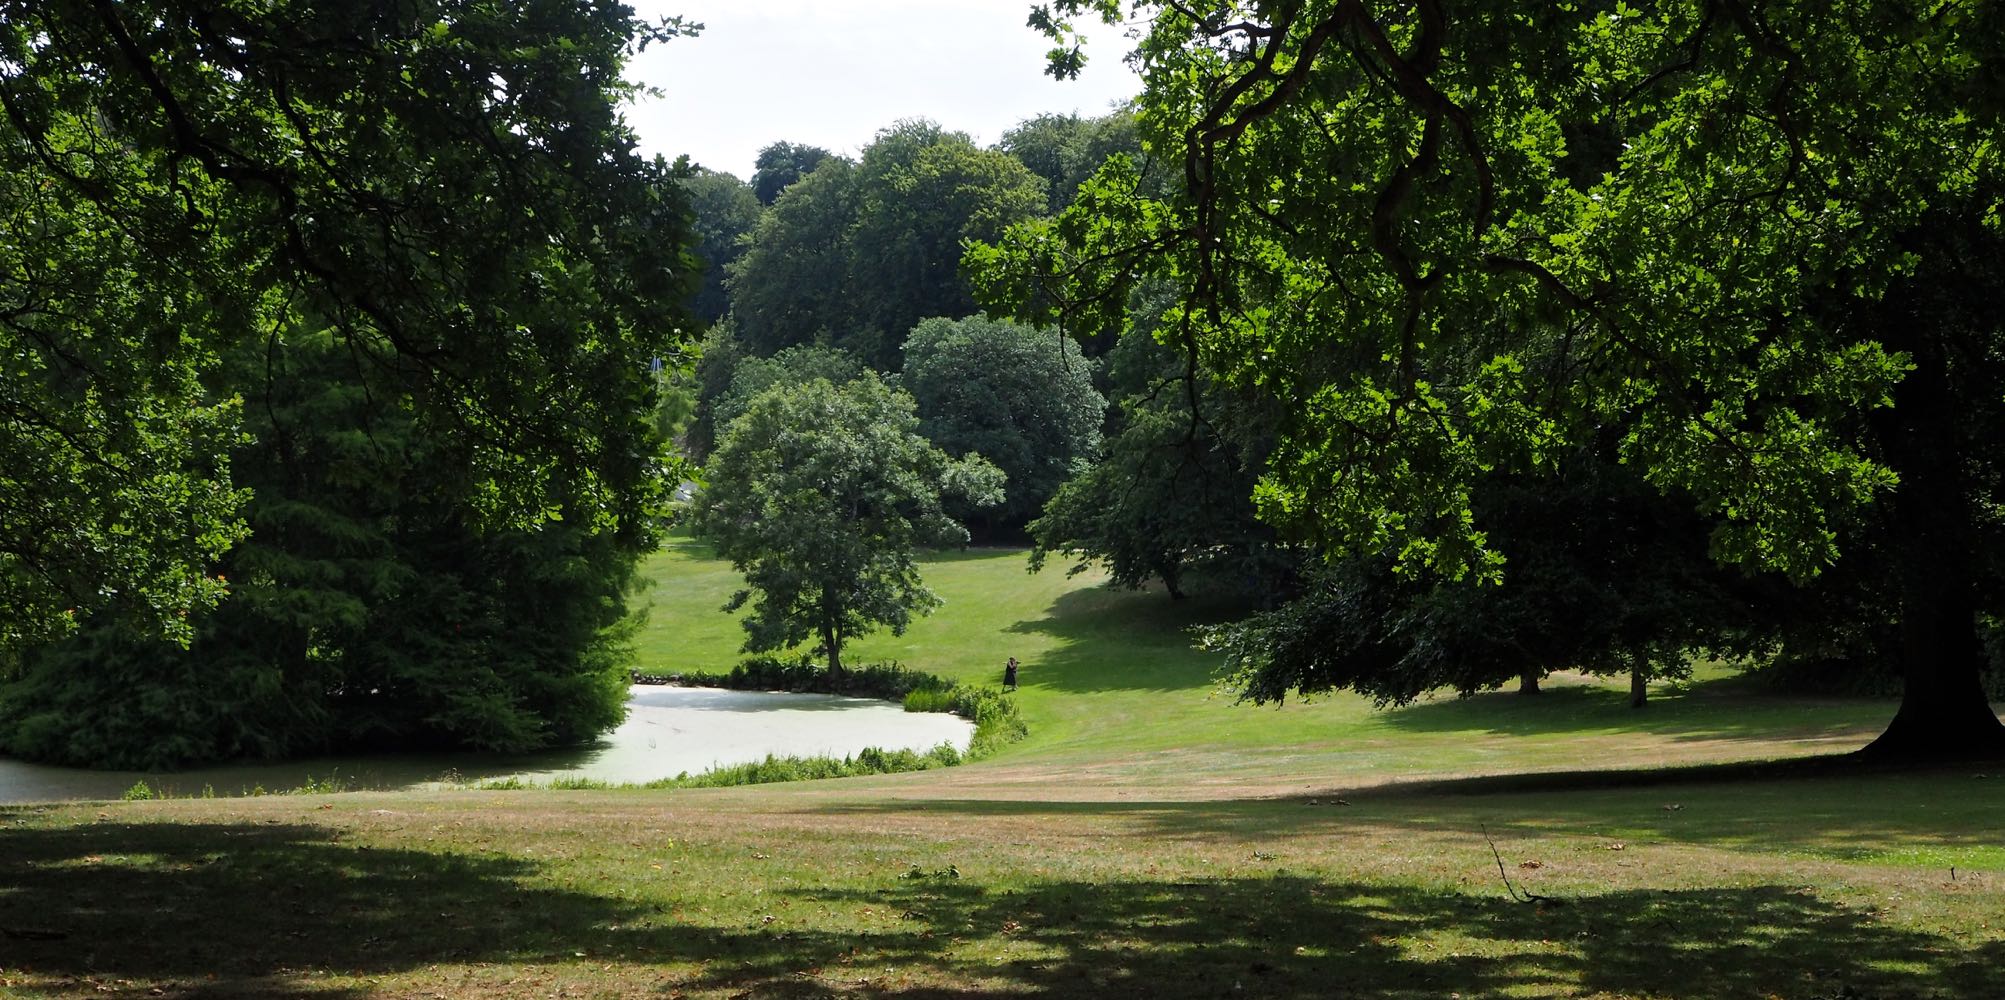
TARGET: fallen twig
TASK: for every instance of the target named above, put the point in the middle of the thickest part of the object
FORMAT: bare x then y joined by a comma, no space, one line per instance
1517,894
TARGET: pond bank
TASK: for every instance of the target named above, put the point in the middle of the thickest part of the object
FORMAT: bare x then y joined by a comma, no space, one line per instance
668,731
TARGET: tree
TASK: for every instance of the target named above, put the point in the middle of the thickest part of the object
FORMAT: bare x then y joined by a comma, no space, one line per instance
1605,576
1019,397
753,377
370,609
1172,494
1768,238
855,255
447,185
821,496
1067,149
793,285
924,192
782,164
726,212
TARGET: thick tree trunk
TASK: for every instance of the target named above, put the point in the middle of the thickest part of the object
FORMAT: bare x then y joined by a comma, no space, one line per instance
1944,713
1639,686
1528,682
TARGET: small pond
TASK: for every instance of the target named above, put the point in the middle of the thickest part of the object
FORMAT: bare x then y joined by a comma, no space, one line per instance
668,730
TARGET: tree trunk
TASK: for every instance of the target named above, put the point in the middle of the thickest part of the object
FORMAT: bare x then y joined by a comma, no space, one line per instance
831,640
1944,713
1639,686
1528,682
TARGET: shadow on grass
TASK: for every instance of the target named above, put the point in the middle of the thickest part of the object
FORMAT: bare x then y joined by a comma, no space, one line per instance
226,910
248,910
1286,936
1725,709
1125,640
1834,806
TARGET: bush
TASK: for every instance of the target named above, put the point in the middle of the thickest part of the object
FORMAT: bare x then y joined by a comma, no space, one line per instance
886,681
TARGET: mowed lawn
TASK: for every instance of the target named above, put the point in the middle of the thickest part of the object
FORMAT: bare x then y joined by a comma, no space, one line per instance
1150,838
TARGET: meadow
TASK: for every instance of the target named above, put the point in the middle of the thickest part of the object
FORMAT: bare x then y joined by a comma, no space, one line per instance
1150,836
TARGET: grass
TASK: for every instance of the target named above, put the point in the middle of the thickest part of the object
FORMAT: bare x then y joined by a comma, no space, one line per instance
1149,837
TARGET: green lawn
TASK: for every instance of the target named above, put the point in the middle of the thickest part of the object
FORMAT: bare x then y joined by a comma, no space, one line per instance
1110,682
1149,838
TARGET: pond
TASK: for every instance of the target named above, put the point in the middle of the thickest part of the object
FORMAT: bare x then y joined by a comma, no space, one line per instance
668,730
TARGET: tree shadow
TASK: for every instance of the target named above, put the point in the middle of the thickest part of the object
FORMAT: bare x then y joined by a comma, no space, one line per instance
1125,640
1727,709
249,909
1291,936
1838,806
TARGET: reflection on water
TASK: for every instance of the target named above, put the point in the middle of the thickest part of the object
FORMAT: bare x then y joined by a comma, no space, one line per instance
668,730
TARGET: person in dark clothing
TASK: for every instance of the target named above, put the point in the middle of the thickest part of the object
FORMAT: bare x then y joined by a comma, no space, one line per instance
1009,675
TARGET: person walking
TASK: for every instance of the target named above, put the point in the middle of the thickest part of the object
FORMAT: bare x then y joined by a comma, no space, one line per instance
1009,675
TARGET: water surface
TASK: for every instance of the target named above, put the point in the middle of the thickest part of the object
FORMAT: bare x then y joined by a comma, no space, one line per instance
669,730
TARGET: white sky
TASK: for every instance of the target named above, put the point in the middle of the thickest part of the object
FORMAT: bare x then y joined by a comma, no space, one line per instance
832,73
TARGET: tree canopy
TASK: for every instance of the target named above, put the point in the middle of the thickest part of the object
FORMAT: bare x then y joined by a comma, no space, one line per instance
725,211
448,185
382,287
1764,240
780,165
1171,496
1066,149
1019,397
821,495
856,254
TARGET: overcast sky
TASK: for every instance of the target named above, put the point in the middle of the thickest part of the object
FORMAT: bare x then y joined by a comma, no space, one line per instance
832,73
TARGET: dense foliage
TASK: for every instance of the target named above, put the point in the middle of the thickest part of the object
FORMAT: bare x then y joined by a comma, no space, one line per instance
367,609
1066,149
1605,576
855,255
398,271
752,377
725,211
1172,495
780,165
821,495
1021,398
1762,239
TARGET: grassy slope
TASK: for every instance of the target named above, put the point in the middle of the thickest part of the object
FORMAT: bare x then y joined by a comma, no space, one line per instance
1148,837
1110,683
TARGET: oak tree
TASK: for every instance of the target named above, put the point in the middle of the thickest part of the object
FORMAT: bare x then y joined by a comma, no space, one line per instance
822,496
1763,239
